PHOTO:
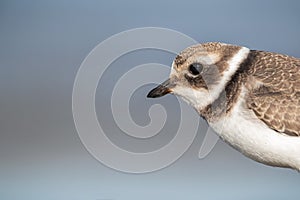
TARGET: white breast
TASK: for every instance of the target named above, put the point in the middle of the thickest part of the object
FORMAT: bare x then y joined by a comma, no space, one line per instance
249,135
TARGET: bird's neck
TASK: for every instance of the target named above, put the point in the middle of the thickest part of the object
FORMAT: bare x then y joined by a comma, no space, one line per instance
226,100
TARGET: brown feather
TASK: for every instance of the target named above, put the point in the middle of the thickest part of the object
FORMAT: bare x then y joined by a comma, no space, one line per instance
277,99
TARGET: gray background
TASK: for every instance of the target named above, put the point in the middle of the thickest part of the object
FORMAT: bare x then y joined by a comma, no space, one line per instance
42,46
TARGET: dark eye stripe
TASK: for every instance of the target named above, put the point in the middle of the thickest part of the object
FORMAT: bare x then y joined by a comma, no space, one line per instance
196,82
195,68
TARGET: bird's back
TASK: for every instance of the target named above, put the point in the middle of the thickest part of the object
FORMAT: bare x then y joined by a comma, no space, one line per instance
276,98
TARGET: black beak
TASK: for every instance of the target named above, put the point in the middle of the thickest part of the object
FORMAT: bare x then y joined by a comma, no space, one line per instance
161,90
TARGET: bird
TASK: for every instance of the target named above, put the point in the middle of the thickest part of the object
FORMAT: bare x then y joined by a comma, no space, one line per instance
250,98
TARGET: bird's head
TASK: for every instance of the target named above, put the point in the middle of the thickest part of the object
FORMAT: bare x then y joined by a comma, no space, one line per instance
200,73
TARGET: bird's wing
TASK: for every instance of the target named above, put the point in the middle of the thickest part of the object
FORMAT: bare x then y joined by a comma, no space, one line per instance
276,101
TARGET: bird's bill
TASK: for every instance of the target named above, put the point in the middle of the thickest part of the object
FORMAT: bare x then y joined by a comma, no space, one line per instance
162,89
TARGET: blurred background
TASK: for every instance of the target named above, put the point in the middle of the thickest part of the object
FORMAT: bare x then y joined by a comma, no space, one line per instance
43,44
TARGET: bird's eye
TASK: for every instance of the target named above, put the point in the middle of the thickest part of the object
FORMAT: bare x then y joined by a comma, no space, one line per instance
195,68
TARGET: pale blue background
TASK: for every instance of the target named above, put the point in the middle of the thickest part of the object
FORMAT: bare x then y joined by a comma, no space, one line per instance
42,44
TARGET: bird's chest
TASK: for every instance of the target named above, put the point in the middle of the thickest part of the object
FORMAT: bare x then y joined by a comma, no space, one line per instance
244,132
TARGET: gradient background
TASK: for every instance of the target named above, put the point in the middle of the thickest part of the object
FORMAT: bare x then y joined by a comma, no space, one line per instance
42,46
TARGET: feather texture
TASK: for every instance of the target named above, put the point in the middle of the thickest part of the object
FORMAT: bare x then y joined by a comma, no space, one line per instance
277,99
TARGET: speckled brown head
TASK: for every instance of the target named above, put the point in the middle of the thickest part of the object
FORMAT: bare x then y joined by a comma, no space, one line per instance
199,73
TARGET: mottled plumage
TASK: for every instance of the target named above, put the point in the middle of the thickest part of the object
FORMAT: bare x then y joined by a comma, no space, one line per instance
277,99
